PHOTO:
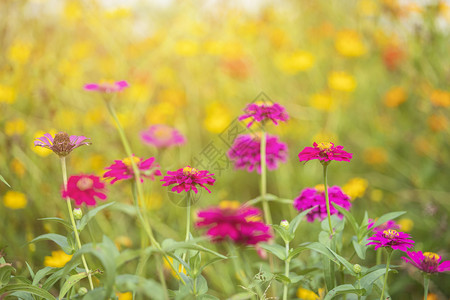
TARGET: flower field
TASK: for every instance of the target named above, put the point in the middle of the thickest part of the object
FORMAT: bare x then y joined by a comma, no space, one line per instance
224,150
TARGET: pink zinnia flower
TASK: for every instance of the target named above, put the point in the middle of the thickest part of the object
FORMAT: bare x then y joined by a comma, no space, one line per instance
241,224
107,87
263,111
311,197
122,169
427,262
391,238
162,136
386,225
324,152
84,189
187,178
246,152
61,144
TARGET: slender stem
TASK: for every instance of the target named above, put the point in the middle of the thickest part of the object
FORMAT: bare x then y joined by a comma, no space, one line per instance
266,207
359,284
326,197
388,261
426,282
188,224
286,272
74,225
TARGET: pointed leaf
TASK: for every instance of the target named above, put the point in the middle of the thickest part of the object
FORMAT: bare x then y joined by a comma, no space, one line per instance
293,225
87,217
275,249
58,220
70,283
58,239
344,289
4,181
21,287
348,216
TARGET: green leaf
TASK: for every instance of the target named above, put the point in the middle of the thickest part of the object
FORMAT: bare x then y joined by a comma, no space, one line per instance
201,285
4,181
360,249
170,245
282,278
242,296
344,289
129,254
87,217
58,239
30,270
276,250
41,274
21,287
344,262
293,225
58,220
149,287
318,247
70,282
5,274
294,252
389,216
210,262
283,233
367,280
348,216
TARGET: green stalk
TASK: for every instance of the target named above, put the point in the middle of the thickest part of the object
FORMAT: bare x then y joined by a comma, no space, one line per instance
74,225
426,283
286,272
188,224
325,165
388,261
266,207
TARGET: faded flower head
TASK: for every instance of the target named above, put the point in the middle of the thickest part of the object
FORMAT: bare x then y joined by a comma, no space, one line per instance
107,86
62,144
187,178
85,189
325,152
239,223
246,149
311,197
122,169
427,262
262,111
162,136
391,239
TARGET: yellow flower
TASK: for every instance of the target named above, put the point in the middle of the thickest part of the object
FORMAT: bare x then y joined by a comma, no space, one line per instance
440,98
73,11
15,200
437,122
292,63
57,260
227,204
19,52
348,43
118,13
217,117
375,156
123,240
186,48
305,294
15,127
405,224
167,266
41,151
395,96
18,167
341,81
7,94
125,296
322,101
355,187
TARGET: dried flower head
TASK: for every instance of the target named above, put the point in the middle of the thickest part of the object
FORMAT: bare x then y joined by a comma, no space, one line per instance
61,144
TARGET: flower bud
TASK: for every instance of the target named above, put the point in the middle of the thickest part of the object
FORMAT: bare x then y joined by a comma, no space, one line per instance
82,291
77,213
284,224
357,268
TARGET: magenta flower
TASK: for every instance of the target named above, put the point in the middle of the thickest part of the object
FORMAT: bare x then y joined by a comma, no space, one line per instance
187,178
106,87
385,226
61,144
162,136
263,111
427,262
311,197
324,152
246,149
84,189
391,239
122,169
240,224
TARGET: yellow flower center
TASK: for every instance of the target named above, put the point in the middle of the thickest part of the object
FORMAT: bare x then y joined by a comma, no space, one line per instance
163,132
85,183
188,171
227,204
127,161
431,256
390,234
324,146
320,187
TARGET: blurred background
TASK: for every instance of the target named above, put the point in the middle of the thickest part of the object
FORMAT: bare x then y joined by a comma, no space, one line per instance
370,75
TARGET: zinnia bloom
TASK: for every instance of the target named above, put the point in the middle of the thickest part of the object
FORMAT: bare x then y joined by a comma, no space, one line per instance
122,169
61,144
311,197
162,136
391,239
324,152
241,224
84,189
187,178
263,111
427,262
107,87
246,152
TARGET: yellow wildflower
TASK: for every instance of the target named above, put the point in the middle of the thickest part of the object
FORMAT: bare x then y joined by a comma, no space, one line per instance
437,122
19,52
348,43
375,156
341,81
125,296
217,118
7,94
405,224
440,98
123,240
305,294
15,127
186,48
322,101
41,150
292,63
174,264
15,200
355,187
395,96
58,259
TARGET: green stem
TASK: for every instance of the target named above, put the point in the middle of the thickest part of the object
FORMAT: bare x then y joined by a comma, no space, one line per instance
359,284
266,207
72,220
188,224
426,282
286,272
388,261
326,197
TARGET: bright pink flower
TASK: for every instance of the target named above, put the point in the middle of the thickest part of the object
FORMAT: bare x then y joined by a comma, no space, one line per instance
263,111
122,169
385,226
84,189
187,178
311,197
240,224
107,87
61,144
162,136
427,262
391,239
324,152
246,149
